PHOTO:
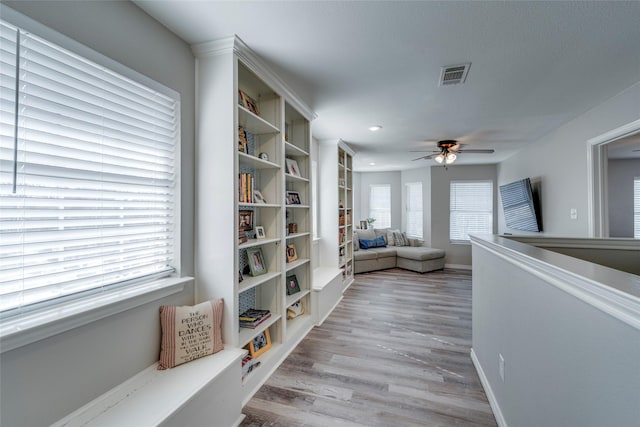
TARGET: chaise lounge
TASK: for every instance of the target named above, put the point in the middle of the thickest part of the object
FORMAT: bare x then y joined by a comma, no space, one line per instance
379,249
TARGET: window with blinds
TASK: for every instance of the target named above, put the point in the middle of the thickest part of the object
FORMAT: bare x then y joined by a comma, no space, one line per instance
414,209
471,209
636,207
87,175
380,205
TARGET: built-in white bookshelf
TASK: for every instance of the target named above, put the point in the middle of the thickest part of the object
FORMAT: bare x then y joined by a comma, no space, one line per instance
253,170
336,208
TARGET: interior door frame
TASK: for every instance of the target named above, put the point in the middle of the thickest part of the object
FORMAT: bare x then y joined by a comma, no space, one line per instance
598,203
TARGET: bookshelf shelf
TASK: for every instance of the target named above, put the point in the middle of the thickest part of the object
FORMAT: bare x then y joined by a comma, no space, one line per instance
247,160
257,242
254,124
296,297
296,235
295,178
297,263
247,334
252,282
294,151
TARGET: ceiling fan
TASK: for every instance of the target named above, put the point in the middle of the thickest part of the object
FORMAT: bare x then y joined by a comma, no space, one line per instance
448,150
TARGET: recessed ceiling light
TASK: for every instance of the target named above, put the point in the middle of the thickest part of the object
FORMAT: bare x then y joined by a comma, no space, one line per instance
372,164
375,128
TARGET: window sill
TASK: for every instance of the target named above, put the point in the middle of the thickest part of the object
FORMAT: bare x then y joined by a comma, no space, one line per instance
21,330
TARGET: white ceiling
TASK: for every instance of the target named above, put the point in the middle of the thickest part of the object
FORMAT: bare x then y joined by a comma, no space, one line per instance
535,65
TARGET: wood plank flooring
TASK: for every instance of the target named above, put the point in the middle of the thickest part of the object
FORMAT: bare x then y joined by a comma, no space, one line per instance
395,352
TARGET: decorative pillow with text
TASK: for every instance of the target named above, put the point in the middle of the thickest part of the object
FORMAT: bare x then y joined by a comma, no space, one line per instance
190,332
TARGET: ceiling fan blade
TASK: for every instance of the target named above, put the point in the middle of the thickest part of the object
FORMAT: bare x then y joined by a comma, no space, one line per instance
430,156
423,151
478,151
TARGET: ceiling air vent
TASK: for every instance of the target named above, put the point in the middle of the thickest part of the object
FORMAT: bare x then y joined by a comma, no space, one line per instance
454,74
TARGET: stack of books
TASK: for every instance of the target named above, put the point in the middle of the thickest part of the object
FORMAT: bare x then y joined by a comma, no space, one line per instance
248,365
253,318
246,188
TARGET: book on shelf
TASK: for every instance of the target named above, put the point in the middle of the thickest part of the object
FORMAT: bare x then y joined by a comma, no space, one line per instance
253,318
245,188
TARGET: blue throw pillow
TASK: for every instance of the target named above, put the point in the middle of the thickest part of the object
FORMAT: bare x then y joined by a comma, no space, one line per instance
366,244
380,242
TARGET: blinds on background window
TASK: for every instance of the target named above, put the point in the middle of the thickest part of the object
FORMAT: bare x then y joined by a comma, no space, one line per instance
92,202
414,209
380,205
471,209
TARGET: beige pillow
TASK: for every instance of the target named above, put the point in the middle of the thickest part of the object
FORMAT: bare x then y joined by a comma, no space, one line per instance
190,332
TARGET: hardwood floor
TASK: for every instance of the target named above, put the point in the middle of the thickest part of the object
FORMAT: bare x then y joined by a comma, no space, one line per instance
395,352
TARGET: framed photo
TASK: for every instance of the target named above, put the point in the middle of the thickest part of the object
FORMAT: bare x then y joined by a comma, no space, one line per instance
240,276
260,344
292,167
292,285
248,102
293,198
256,261
292,255
260,232
243,145
245,220
258,197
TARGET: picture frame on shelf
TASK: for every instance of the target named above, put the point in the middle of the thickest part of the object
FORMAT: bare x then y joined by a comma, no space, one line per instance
260,232
243,145
258,197
292,167
260,344
249,103
293,287
245,220
292,254
293,198
257,265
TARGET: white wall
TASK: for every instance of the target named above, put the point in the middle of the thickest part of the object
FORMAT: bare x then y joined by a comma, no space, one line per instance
621,173
422,175
41,382
357,199
569,358
457,254
559,161
370,178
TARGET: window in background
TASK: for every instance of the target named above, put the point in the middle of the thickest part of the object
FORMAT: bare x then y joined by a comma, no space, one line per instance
87,177
636,208
414,209
380,205
471,209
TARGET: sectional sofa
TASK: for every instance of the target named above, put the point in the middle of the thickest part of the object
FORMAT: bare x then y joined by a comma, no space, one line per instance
397,251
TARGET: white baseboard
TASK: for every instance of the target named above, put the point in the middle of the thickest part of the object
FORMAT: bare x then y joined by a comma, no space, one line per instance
458,266
497,413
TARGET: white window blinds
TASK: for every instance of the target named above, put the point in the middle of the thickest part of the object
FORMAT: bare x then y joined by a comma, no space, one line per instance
471,209
87,174
636,207
380,205
414,209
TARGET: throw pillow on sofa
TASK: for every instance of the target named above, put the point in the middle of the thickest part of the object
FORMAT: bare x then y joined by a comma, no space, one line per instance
380,242
367,244
397,238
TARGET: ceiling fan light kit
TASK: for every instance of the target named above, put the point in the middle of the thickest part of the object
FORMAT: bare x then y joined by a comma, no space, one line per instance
447,150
